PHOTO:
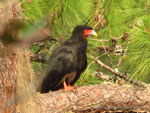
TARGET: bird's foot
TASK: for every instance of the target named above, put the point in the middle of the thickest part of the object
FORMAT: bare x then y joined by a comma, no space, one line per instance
68,88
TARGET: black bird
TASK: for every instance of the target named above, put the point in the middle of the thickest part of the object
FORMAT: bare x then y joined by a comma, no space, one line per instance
68,61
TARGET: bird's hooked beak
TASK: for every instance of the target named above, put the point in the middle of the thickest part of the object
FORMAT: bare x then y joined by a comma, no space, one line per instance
93,33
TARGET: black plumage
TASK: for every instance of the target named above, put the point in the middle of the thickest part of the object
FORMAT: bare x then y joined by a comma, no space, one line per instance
68,61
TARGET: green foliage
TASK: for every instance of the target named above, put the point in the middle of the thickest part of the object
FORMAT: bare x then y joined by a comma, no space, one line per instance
35,48
120,18
61,16
36,66
121,15
137,60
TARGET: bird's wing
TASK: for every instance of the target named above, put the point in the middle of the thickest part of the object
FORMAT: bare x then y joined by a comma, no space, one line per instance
62,62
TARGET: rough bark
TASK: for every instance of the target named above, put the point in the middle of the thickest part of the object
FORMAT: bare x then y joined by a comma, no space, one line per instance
15,68
101,97
7,73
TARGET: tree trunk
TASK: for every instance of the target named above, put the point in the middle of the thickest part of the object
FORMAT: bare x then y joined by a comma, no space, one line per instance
7,63
15,69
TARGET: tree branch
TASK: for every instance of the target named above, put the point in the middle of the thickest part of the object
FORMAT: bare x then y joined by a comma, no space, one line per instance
97,97
121,75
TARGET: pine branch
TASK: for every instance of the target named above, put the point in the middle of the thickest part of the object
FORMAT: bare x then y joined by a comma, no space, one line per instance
121,75
97,97
120,60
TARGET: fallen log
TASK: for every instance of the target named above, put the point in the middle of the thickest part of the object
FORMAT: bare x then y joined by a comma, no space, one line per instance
103,97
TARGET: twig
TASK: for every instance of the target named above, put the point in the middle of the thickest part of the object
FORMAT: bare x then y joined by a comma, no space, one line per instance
107,54
121,75
124,37
50,51
99,21
120,60
109,4
37,58
96,13
105,12
99,40
94,61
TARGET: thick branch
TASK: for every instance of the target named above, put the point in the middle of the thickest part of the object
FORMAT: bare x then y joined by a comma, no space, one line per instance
102,97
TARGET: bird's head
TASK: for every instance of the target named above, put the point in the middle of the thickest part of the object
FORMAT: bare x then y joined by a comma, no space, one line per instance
83,31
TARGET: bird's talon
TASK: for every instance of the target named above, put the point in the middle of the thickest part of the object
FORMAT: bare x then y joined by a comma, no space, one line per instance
71,88
68,88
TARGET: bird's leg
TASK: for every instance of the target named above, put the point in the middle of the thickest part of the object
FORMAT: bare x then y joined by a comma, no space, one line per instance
67,87
70,87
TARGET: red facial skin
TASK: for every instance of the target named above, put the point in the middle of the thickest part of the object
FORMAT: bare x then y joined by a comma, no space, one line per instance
87,32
